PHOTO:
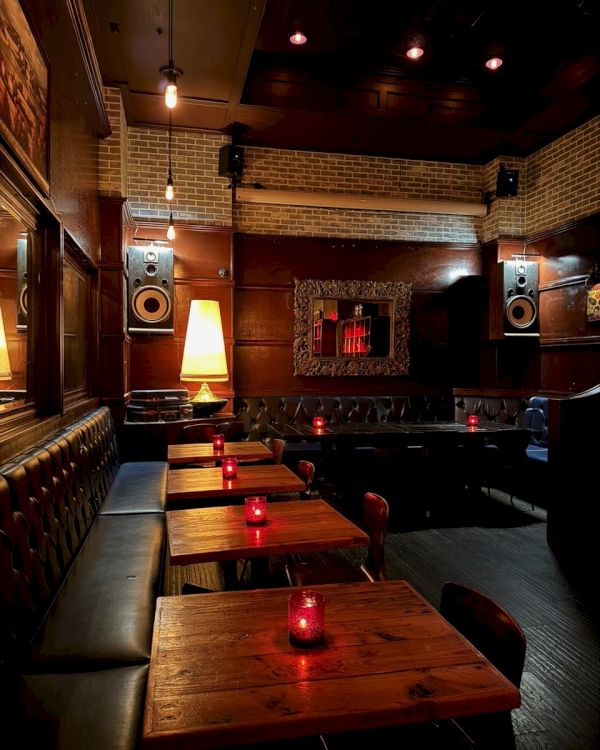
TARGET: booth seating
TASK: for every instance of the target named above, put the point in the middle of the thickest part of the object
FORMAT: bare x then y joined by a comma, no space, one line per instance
526,477
81,563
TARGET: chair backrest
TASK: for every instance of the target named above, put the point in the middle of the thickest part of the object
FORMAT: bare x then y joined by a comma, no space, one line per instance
277,446
488,626
197,433
233,431
376,513
306,471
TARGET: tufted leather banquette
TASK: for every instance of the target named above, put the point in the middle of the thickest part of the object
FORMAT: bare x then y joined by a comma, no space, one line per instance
81,559
258,412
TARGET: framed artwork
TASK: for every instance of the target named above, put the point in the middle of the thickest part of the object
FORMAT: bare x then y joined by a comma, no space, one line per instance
23,93
593,304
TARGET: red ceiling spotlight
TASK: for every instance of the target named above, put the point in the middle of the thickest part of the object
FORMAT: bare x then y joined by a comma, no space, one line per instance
415,52
493,63
298,37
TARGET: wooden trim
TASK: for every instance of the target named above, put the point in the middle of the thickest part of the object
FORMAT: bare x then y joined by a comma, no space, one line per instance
90,65
144,223
341,242
569,341
567,281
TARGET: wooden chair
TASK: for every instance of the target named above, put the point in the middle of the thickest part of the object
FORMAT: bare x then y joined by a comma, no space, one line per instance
337,569
498,636
277,446
233,431
197,433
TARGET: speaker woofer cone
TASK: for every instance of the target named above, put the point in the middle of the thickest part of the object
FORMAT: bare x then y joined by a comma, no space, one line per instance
520,311
151,304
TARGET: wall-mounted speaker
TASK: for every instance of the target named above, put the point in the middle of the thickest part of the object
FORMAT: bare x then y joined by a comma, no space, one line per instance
231,161
22,286
150,289
514,299
507,183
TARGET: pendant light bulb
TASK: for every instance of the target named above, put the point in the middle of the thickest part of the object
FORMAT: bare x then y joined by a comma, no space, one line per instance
171,229
171,94
169,191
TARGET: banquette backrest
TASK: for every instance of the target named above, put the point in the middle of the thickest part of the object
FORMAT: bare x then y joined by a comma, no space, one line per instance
49,497
489,408
258,412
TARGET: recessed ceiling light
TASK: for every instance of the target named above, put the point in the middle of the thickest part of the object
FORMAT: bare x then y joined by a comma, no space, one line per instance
414,53
493,63
298,37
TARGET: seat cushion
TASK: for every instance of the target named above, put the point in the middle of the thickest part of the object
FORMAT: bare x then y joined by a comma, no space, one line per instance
139,487
82,711
104,612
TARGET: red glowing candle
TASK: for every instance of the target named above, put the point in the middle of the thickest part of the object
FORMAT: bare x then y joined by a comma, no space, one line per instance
229,467
318,422
256,510
306,618
472,420
218,442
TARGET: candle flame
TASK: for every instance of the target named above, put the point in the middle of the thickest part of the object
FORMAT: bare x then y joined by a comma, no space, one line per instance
303,622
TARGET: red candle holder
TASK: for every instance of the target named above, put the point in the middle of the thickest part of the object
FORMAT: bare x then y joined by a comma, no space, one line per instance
472,420
218,442
306,618
318,423
256,510
229,468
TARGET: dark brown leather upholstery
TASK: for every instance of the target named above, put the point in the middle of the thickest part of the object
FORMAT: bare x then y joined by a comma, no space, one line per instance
81,555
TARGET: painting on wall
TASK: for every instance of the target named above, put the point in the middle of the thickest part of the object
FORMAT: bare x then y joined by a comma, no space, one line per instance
23,93
593,304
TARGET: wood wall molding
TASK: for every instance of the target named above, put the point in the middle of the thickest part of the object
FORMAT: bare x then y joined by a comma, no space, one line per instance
567,281
90,64
144,223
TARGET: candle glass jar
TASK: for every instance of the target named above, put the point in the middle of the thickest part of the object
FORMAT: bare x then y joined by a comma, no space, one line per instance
229,468
218,442
306,618
255,510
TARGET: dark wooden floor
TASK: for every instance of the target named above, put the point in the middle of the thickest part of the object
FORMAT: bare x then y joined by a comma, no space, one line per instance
502,551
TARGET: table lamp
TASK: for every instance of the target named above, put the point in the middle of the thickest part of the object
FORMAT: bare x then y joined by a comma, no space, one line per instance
5,372
204,355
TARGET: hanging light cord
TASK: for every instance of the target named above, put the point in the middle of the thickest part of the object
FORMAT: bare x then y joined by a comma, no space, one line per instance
170,138
171,33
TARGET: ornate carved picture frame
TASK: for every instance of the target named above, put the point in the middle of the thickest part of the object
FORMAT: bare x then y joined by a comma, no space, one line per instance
395,294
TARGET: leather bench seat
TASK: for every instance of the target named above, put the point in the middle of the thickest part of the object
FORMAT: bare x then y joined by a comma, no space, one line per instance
81,564
104,612
80,710
139,487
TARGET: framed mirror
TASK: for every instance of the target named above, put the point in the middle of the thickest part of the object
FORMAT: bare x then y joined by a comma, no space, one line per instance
351,327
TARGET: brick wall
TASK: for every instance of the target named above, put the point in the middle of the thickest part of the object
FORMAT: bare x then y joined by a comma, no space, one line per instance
557,184
276,169
563,179
112,151
201,196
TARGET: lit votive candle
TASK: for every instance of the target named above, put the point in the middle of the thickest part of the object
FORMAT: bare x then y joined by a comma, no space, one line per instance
256,510
472,420
318,422
218,442
306,618
229,468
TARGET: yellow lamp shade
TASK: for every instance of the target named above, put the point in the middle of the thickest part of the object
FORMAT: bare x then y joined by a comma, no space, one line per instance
5,373
204,351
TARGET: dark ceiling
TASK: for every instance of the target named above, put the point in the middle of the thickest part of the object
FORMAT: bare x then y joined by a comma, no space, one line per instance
350,88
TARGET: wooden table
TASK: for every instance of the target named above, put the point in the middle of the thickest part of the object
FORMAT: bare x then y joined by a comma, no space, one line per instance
222,671
215,534
203,483
203,453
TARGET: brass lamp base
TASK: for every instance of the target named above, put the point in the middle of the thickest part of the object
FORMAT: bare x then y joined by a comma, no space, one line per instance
205,403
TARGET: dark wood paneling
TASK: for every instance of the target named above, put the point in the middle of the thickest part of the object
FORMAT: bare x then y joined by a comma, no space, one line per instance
265,269
278,260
